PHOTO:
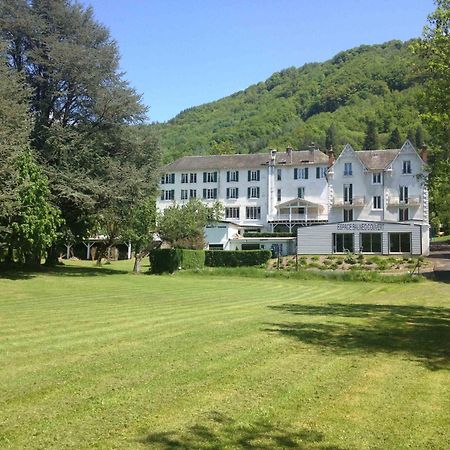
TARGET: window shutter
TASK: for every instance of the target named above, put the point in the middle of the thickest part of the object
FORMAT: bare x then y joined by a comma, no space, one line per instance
204,193
257,192
215,193
257,175
162,195
228,176
228,192
317,172
248,192
237,192
237,175
306,173
249,175
295,174
204,177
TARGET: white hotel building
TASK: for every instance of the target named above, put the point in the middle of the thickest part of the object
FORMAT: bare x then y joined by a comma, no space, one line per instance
369,201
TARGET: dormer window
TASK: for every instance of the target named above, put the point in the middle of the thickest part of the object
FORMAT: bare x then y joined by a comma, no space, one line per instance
348,169
406,167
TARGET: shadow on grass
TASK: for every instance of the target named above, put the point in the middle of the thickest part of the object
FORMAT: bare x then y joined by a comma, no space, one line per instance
25,273
420,333
220,431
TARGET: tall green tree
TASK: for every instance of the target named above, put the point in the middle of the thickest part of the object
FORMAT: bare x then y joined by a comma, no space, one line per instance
434,50
35,225
331,137
419,139
83,109
411,136
395,139
371,139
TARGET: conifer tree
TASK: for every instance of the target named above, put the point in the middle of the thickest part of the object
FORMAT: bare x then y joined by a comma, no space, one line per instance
371,140
395,140
331,137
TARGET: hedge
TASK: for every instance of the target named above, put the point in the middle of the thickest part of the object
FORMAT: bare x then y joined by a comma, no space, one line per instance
171,259
236,258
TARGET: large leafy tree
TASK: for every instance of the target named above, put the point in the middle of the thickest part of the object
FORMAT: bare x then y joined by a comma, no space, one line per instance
434,50
83,109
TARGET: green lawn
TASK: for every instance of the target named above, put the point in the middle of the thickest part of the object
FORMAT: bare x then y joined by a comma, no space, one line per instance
101,358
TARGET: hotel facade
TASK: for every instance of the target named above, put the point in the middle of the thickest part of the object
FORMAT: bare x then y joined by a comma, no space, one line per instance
363,201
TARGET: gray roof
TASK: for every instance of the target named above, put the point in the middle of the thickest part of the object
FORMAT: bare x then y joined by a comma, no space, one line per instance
246,161
377,159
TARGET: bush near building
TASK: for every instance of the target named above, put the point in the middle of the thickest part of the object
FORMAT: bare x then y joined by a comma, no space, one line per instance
237,258
171,259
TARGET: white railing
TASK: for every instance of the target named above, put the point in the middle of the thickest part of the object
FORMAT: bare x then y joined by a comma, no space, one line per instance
293,217
355,201
412,201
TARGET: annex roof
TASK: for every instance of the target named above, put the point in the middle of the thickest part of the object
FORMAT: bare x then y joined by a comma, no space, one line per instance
254,160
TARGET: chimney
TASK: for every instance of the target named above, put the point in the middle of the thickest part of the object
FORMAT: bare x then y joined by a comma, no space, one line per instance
289,151
312,147
273,156
424,153
331,156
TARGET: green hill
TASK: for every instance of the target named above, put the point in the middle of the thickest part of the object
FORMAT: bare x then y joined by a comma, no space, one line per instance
297,105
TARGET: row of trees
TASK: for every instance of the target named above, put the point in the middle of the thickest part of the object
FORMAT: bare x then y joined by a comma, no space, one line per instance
73,164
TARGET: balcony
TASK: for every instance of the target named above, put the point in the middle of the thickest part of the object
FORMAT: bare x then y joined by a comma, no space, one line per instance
339,202
410,201
298,217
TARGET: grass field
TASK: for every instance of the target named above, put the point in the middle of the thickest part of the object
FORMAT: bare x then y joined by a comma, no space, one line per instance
101,358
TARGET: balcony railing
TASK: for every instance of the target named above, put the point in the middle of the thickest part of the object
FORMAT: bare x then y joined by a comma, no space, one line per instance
355,201
299,217
411,201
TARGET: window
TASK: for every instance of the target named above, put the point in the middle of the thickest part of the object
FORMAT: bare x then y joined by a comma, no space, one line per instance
376,178
253,212
253,192
371,242
301,174
403,214
348,194
301,192
209,194
231,213
193,178
184,177
343,242
403,194
321,172
168,195
250,247
400,242
348,169
406,167
376,202
193,193
279,195
232,175
279,174
209,177
184,194
215,247
233,192
253,175
348,215
168,178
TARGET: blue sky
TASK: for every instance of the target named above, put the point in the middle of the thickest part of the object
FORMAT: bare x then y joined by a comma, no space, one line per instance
184,53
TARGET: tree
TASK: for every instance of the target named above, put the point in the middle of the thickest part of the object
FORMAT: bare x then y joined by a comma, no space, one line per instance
331,137
371,140
434,51
83,109
411,136
14,140
35,225
183,225
141,230
418,137
395,140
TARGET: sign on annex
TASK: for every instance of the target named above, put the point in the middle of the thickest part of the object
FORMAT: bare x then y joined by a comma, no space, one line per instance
356,226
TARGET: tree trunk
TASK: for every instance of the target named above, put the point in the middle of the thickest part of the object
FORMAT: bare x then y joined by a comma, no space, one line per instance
137,263
9,259
52,256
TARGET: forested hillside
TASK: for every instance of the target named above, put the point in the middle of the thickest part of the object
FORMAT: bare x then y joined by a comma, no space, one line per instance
298,105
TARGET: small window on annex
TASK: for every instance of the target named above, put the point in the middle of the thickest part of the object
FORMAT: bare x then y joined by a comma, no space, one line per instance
400,242
371,242
343,242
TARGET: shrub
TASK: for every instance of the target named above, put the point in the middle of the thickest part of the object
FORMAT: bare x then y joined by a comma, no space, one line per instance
315,258
237,258
171,259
